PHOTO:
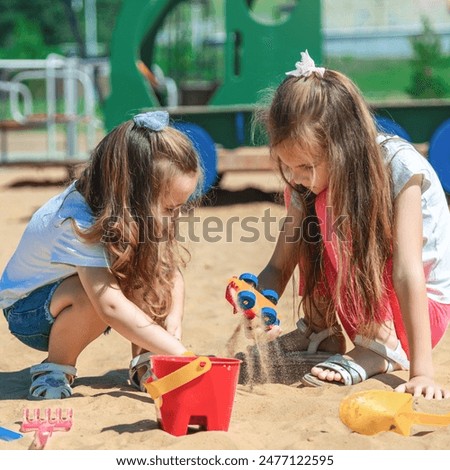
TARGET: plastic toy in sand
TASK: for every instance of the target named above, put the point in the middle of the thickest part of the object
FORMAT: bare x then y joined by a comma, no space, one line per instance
258,308
373,411
193,390
8,435
44,423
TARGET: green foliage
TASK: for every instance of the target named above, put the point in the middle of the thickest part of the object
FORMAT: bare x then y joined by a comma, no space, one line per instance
182,62
49,23
376,78
176,54
45,26
29,43
107,13
428,58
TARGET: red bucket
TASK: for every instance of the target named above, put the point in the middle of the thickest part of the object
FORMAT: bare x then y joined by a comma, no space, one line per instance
193,390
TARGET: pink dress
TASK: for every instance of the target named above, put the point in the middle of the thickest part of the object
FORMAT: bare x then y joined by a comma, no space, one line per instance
439,313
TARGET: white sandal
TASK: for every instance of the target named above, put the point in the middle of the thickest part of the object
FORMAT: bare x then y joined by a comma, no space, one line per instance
316,338
351,372
51,381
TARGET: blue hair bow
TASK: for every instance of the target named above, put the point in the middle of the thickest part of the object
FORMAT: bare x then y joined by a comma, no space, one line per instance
153,120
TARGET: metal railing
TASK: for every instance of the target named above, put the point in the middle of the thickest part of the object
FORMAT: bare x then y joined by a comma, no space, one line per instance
78,85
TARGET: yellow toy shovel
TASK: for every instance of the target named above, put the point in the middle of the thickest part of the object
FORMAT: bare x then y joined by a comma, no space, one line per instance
373,411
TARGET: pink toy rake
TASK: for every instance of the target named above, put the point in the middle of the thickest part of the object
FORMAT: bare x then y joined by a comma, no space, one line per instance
44,423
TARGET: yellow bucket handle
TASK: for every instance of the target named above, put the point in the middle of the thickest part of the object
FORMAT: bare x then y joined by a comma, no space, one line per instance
177,378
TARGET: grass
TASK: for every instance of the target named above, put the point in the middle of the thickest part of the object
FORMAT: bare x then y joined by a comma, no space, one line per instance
381,79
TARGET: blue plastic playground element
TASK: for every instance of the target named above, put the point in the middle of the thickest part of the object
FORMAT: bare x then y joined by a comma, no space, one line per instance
439,154
206,148
389,126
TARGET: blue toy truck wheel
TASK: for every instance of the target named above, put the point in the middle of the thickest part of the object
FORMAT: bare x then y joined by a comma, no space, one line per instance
249,278
269,316
246,299
271,295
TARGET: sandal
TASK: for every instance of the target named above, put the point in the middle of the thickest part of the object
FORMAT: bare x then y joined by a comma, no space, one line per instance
315,339
51,381
351,372
143,360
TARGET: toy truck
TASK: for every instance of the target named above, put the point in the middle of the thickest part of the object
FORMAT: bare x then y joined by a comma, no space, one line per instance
258,308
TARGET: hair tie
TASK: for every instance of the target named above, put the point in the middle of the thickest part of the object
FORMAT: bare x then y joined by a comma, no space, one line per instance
153,120
305,67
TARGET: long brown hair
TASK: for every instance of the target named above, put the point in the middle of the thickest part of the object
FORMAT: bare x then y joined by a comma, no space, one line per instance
124,183
330,114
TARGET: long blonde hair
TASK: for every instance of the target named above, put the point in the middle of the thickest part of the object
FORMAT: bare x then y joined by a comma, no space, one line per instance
329,113
124,183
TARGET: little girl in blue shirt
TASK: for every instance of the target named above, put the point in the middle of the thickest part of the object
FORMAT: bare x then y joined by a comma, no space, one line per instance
103,253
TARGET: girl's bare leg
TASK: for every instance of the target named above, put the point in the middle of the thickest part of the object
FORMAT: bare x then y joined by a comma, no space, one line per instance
76,322
315,318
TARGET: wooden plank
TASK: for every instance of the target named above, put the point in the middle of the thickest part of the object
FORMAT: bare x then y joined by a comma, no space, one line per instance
244,158
34,121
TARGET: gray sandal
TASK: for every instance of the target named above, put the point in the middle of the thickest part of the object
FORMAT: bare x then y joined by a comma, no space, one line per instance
351,372
51,381
143,360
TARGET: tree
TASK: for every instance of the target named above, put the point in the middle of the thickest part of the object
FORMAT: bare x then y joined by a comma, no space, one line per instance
47,17
427,59
29,43
49,24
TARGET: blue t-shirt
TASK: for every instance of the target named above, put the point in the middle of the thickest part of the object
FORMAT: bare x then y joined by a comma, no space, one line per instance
49,249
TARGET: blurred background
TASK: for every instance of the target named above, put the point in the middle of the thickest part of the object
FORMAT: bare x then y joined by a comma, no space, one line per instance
80,67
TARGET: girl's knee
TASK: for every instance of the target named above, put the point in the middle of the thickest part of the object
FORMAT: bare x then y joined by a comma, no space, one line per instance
70,293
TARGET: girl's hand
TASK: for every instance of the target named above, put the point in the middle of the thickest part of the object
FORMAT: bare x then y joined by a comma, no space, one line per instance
423,385
175,316
173,325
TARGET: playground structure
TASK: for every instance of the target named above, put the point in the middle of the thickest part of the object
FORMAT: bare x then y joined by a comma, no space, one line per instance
253,51
77,82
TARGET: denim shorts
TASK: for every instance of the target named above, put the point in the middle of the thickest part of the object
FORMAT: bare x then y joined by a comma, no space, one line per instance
29,319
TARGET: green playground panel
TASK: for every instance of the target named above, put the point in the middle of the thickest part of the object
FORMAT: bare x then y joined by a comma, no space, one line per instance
254,55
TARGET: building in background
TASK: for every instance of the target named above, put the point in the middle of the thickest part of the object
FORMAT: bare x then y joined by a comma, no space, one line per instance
382,28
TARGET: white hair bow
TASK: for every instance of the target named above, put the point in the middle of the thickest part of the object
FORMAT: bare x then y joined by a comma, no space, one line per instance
305,67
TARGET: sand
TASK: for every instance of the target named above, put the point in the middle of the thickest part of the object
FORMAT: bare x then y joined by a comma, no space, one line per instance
110,414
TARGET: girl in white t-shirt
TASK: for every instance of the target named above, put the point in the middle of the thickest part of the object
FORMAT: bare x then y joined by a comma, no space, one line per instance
368,226
103,253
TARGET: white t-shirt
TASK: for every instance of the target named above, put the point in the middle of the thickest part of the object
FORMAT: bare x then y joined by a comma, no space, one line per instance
49,249
405,162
